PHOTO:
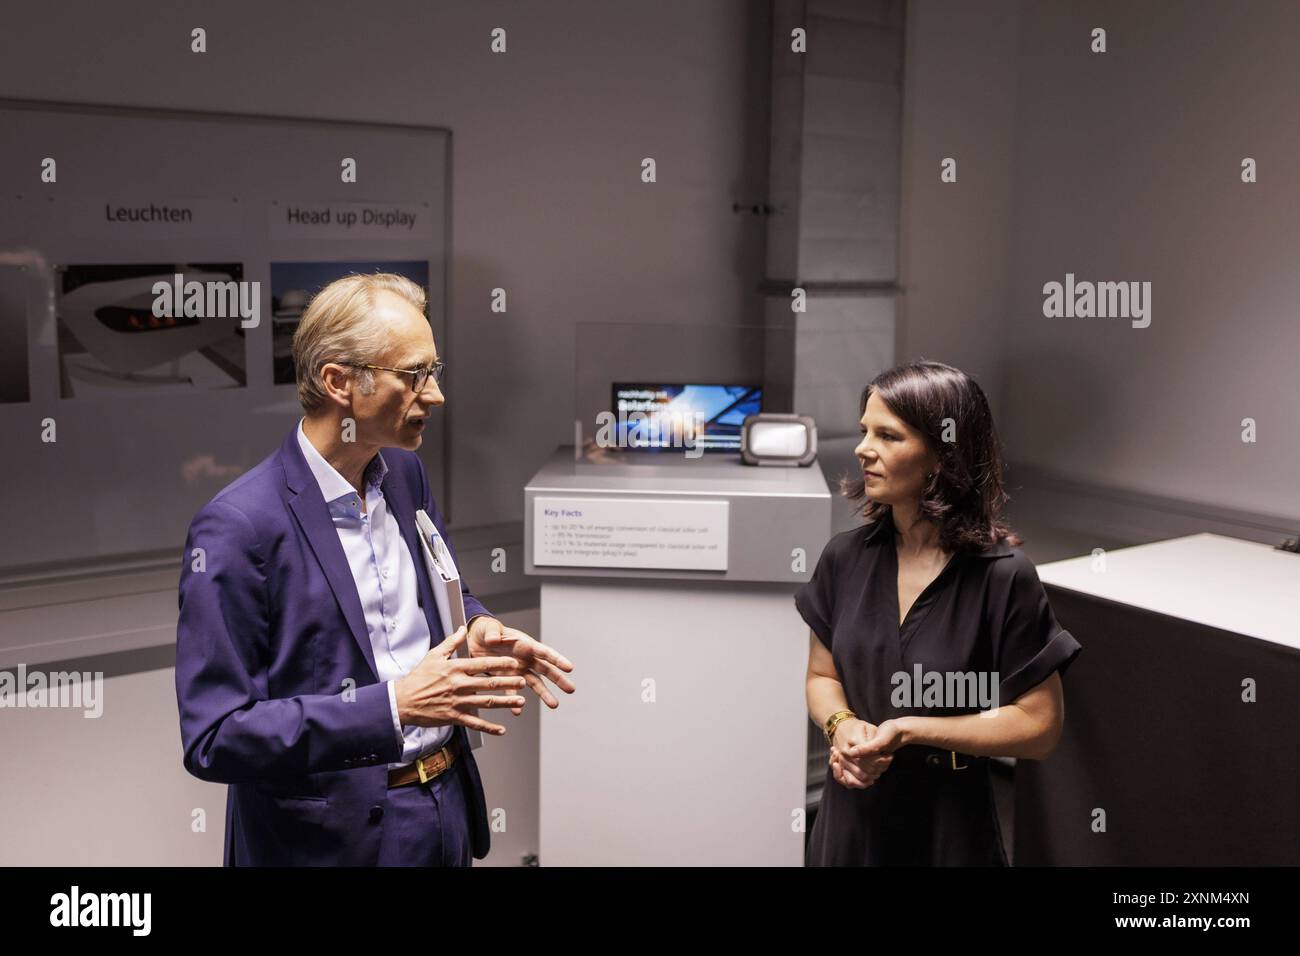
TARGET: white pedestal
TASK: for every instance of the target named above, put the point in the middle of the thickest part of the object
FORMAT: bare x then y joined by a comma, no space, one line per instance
685,743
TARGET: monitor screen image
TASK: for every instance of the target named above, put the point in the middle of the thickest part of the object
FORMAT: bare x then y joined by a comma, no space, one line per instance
657,417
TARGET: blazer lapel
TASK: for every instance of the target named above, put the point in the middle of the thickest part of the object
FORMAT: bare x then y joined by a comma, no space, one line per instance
308,506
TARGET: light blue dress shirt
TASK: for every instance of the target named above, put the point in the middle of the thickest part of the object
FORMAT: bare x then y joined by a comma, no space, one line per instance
384,571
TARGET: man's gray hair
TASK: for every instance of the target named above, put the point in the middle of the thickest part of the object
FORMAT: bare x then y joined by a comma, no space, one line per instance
338,327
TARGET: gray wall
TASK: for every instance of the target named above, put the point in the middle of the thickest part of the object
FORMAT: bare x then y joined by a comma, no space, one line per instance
958,101
548,138
1122,166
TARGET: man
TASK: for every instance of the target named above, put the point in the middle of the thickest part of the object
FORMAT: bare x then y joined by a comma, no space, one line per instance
312,671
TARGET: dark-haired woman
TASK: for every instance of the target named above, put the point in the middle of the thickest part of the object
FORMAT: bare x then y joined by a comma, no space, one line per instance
932,583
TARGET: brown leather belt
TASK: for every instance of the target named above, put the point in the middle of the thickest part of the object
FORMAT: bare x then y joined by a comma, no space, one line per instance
425,768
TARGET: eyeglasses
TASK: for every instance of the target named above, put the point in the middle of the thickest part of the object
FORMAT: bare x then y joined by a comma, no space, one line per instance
420,375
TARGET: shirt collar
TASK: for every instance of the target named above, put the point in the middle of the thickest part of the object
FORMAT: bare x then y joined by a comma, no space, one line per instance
333,485
999,549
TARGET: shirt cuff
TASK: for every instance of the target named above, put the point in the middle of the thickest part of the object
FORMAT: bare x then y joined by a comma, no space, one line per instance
397,724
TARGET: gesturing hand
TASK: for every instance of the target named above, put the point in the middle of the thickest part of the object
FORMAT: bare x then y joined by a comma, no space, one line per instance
851,770
488,636
442,689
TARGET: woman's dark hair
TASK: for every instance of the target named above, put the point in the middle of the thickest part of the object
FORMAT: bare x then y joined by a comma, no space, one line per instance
966,496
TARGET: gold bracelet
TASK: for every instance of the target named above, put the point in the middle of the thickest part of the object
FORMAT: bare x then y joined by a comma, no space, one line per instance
833,721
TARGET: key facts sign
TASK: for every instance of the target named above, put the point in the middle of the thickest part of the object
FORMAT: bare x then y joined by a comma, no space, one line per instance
630,533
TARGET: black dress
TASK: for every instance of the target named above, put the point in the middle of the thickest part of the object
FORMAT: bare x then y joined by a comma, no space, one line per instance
985,613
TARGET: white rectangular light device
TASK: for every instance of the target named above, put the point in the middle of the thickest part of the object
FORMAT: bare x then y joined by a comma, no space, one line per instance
774,439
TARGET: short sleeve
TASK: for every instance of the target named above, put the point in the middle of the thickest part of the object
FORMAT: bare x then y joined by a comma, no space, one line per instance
1029,643
815,600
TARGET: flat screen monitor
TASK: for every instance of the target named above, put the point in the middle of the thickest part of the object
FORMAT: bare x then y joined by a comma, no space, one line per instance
661,417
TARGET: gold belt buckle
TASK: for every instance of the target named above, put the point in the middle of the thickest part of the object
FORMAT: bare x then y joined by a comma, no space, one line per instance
425,776
964,764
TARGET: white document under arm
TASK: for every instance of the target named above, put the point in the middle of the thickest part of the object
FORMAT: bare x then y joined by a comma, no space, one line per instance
445,580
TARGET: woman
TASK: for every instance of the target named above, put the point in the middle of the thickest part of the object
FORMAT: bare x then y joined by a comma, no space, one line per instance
933,583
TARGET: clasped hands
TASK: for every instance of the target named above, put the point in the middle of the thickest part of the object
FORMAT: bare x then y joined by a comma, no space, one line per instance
861,752
444,689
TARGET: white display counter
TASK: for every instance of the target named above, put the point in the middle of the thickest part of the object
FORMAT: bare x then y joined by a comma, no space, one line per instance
669,583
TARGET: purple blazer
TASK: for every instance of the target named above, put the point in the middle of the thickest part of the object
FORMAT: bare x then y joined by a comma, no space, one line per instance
275,675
